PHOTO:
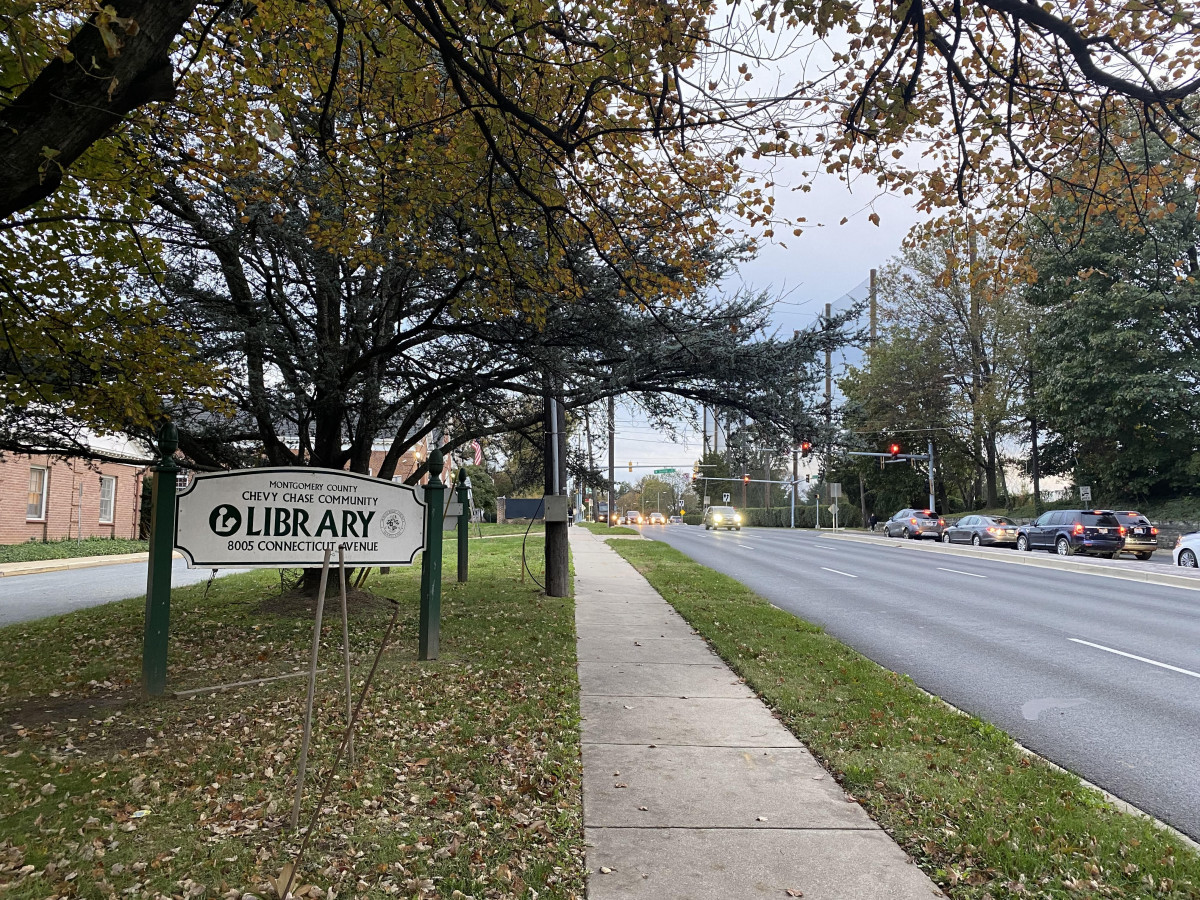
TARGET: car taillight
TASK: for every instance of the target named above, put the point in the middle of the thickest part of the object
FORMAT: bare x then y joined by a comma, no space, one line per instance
1120,529
941,521
991,530
1154,531
1078,529
914,521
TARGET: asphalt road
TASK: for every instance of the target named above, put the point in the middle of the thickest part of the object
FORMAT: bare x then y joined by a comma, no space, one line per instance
26,597
1099,675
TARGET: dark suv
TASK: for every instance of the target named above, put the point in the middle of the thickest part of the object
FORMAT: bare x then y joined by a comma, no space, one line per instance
915,524
1068,531
1141,537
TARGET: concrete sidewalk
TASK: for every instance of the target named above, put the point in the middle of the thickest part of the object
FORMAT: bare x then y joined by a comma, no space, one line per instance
691,788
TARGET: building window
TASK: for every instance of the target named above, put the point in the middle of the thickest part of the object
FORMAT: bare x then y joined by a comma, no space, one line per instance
36,510
108,494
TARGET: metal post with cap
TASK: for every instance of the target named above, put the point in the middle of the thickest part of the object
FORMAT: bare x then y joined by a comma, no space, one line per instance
431,562
158,574
464,522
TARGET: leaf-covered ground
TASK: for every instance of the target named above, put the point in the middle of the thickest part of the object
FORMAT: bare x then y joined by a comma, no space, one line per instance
466,781
68,549
984,819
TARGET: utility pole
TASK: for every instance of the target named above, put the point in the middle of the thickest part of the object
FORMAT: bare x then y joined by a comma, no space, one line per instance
612,459
828,394
932,498
587,426
795,482
557,582
874,310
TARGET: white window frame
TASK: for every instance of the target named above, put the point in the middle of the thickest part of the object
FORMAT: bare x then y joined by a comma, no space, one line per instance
41,513
111,480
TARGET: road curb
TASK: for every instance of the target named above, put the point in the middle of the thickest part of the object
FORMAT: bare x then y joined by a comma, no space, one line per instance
39,567
1012,557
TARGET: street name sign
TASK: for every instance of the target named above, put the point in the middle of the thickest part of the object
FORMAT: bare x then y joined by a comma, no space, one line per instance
664,471
285,517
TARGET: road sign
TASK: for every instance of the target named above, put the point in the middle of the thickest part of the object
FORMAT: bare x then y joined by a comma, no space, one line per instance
724,498
1085,493
285,517
835,489
664,471
707,500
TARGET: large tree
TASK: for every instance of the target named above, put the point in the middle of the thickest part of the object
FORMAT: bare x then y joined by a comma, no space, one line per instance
1117,347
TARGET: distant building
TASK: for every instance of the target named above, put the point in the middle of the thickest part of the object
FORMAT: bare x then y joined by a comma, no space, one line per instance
45,497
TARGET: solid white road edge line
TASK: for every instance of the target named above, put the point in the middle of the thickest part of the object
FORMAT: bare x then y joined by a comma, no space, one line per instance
958,572
1152,662
836,572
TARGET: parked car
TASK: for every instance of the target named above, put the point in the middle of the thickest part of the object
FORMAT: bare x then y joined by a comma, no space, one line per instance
722,517
915,524
657,518
982,531
1187,550
1141,537
1068,531
676,520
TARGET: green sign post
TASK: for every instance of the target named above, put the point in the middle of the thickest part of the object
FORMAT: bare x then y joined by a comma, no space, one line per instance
158,575
664,471
431,562
464,524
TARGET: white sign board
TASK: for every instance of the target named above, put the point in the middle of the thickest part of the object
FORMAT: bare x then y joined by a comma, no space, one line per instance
1085,493
286,517
724,498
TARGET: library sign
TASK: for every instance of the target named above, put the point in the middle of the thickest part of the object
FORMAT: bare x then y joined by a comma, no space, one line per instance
285,517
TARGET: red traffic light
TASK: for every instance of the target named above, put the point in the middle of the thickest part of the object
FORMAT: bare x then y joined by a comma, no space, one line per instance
894,450
805,448
746,478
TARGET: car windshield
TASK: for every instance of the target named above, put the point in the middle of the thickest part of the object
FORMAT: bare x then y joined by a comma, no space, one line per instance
924,514
1104,520
722,510
1002,520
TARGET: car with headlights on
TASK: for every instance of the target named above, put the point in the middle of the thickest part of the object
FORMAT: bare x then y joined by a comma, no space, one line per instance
982,531
915,524
657,518
722,517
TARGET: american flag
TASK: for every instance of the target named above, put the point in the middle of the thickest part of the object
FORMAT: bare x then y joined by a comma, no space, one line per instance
478,452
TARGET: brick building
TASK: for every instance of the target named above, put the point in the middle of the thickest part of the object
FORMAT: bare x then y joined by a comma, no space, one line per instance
47,498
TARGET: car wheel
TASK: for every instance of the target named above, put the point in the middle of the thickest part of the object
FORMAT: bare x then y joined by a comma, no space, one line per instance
707,527
975,541
1062,547
945,537
1187,559
1142,556
739,528
1022,543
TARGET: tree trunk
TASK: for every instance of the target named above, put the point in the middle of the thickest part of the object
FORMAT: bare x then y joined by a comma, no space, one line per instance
989,469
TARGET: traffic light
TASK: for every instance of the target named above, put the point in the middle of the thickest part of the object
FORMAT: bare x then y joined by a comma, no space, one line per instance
746,478
631,465
894,450
808,479
805,449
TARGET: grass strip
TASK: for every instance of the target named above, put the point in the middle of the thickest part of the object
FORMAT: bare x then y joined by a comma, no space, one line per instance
601,529
68,548
981,817
466,781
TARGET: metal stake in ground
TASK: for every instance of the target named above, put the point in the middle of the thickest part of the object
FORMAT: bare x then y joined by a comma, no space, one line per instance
158,575
312,688
346,643
464,524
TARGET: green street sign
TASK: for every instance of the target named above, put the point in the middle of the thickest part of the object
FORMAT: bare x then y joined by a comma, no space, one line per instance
664,471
